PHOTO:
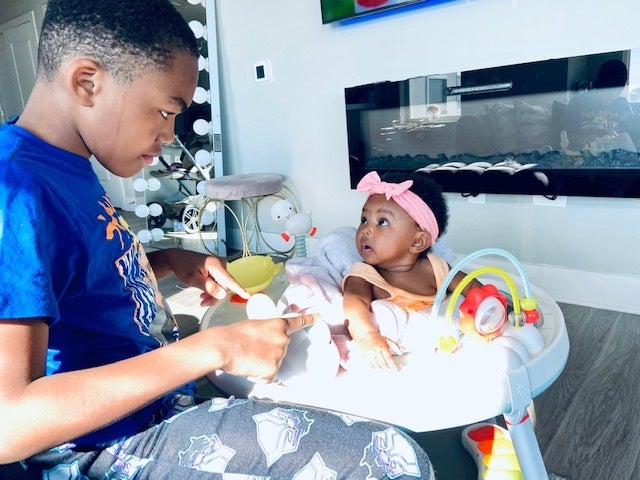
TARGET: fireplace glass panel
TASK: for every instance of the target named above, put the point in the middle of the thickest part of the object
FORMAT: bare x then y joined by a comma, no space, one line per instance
554,127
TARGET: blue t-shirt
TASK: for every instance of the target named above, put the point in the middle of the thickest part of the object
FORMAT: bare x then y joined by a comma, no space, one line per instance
66,255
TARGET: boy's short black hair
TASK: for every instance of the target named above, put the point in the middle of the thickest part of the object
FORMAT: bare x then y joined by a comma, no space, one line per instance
127,37
428,190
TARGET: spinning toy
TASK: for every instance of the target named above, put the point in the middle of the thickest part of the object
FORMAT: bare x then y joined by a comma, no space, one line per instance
483,313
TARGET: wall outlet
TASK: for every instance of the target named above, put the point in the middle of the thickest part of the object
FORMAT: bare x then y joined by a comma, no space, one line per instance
479,198
543,201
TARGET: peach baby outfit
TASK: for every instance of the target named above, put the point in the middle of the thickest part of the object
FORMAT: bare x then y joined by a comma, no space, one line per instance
399,317
407,300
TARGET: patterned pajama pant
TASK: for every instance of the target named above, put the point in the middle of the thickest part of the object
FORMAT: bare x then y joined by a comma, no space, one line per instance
230,439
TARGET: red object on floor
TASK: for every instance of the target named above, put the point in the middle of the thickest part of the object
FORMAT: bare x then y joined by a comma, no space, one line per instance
235,298
485,432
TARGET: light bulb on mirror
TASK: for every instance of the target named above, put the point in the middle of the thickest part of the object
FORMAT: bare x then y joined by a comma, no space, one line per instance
157,234
142,211
203,63
207,218
144,236
201,127
202,158
201,96
140,184
153,184
198,29
155,209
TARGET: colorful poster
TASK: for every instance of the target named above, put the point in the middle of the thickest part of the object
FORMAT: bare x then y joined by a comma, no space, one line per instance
334,10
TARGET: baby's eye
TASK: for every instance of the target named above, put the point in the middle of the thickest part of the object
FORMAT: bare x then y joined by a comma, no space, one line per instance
383,222
363,220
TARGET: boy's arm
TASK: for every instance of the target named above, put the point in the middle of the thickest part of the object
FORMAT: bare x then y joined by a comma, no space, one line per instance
38,412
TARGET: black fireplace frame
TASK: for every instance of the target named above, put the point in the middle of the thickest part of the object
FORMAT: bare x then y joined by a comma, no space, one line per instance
549,170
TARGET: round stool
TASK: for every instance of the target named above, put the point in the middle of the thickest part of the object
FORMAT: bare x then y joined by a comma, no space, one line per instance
248,189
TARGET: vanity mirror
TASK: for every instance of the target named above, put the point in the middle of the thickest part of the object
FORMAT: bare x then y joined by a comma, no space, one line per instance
567,126
175,206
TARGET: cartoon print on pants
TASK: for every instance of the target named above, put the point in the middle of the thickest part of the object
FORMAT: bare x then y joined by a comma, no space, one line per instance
280,431
126,467
207,454
315,470
390,453
67,471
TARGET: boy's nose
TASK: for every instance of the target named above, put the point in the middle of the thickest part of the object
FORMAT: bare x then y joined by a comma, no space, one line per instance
166,135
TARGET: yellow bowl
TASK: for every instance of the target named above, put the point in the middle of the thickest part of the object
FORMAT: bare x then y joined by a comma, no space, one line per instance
255,272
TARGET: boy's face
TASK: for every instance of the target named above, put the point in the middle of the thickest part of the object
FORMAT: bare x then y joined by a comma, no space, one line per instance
127,124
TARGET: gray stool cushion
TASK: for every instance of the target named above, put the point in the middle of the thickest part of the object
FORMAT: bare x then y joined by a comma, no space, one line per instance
243,185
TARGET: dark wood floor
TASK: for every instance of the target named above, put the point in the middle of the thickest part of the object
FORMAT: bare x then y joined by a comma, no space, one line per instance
588,421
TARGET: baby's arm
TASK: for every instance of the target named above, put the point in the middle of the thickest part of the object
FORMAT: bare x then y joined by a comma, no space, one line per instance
357,311
457,278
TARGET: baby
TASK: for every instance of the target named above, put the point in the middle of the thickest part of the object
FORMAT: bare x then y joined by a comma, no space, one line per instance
401,220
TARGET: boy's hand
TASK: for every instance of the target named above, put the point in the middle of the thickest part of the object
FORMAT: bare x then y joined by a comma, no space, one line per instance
206,272
376,351
218,282
255,348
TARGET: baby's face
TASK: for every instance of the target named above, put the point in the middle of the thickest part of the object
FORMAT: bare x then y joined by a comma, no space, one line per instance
386,232
129,123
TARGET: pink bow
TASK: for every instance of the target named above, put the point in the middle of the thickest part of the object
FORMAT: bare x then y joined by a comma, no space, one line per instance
371,183
409,201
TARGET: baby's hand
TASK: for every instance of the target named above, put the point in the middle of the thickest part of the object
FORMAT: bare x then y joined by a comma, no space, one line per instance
375,348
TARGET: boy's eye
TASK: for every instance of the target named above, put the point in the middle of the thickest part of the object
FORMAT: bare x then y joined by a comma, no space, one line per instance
383,222
363,220
164,114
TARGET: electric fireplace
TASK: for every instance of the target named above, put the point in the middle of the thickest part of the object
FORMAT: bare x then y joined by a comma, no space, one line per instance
517,129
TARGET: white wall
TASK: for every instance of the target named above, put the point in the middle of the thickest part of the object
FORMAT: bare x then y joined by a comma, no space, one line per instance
584,253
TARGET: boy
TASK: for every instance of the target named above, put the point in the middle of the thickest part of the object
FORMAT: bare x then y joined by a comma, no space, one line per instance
88,388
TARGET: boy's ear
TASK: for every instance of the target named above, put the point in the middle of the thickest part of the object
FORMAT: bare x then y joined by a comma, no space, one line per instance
421,241
84,79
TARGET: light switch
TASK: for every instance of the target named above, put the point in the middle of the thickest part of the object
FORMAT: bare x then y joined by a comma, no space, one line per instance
262,71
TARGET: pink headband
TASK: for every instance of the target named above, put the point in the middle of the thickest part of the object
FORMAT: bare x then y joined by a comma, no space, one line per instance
409,201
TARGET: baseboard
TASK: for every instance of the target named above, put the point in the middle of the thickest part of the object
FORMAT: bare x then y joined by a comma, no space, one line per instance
582,287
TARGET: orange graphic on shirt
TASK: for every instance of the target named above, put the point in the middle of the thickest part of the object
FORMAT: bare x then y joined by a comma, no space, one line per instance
113,225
